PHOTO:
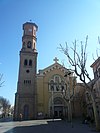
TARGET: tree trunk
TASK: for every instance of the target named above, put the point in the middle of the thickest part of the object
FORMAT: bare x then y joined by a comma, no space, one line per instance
96,116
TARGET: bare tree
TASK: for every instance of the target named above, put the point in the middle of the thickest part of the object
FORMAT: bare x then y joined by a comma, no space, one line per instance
4,105
78,63
1,82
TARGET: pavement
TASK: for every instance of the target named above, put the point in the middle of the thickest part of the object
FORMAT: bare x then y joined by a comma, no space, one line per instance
44,126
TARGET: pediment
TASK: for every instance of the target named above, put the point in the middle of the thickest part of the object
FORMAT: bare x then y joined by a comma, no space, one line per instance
52,67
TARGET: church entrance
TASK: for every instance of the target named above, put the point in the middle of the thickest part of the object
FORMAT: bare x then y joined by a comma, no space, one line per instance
57,107
58,111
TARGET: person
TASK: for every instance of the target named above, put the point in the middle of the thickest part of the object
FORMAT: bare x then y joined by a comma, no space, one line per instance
21,117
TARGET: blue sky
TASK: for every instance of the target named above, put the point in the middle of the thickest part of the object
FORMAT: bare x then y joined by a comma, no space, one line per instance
59,21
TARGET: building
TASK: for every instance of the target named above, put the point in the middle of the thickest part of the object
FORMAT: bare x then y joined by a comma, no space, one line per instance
52,92
96,70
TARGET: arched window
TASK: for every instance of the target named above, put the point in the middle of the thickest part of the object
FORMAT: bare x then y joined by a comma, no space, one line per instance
57,79
51,85
29,44
30,62
25,62
57,83
62,85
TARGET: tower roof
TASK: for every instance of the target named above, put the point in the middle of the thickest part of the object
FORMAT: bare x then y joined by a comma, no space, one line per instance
30,23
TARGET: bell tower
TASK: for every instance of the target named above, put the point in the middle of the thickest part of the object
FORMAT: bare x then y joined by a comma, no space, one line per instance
25,97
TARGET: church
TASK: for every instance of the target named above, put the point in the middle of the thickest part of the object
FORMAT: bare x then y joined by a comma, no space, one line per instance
52,92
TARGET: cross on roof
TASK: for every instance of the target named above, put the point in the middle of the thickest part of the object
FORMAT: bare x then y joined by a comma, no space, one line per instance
56,59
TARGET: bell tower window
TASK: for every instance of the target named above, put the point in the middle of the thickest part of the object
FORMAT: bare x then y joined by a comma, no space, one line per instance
29,44
25,62
30,62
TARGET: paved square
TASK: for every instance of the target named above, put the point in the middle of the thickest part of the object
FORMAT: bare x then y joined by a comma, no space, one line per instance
44,126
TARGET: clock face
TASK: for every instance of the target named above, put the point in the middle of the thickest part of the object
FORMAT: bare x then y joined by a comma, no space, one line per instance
29,44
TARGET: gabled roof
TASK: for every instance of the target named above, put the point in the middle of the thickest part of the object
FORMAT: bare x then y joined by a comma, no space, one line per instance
56,65
96,61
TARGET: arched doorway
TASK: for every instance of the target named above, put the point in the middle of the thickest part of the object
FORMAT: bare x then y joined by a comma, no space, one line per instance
58,107
26,112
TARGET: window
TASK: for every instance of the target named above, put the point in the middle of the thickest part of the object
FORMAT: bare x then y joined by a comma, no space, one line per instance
56,83
57,79
63,85
25,62
57,88
29,44
27,71
30,62
51,85
96,74
27,82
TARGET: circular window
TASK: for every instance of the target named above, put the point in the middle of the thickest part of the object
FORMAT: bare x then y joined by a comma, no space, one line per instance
27,71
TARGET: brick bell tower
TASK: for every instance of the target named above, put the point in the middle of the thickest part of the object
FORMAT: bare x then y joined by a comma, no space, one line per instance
25,97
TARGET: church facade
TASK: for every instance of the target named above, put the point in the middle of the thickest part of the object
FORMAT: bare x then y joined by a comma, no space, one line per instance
53,92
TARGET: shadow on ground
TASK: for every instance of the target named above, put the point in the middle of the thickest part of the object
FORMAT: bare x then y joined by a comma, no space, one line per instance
52,127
